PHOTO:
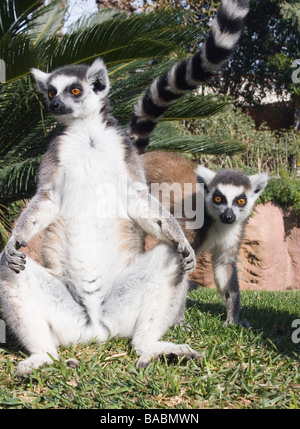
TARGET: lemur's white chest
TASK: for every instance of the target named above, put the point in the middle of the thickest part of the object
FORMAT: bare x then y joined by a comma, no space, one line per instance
222,236
93,176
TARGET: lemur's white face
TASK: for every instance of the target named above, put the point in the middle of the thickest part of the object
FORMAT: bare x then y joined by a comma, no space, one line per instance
74,92
230,194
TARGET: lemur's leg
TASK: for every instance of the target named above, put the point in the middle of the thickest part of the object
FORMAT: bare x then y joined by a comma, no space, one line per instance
155,220
40,212
147,301
41,312
226,278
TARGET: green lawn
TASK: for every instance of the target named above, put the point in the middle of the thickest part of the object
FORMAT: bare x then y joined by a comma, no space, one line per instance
239,368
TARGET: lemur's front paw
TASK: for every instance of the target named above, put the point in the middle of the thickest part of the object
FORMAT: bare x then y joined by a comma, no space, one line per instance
188,256
15,260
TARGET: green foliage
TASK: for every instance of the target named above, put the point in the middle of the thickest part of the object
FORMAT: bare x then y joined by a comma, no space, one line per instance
291,13
173,137
4,227
284,190
263,149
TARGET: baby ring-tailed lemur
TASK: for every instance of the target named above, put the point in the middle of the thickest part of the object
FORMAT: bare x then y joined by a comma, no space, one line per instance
93,204
229,196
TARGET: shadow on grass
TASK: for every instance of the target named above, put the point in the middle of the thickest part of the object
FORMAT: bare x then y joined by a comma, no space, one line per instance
274,325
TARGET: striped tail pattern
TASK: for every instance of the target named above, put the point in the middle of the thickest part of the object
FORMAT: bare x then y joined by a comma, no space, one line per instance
188,75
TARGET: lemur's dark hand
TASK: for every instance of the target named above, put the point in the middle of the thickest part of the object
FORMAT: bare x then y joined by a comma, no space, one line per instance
15,260
187,254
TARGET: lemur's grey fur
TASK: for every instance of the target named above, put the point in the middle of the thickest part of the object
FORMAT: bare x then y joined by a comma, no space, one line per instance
93,205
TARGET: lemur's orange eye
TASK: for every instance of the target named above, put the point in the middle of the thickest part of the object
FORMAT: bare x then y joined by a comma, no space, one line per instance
217,199
241,201
75,91
51,94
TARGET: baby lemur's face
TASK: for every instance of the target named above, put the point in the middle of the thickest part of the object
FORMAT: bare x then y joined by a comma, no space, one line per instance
230,194
74,92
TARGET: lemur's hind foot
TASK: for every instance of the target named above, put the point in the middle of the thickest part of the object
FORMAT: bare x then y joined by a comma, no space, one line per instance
35,361
161,348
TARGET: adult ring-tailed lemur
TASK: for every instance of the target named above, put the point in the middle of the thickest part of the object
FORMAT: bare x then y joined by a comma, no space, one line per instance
230,194
93,204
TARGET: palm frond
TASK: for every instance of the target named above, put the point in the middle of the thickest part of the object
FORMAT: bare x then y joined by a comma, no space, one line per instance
116,40
173,137
47,21
96,18
123,39
5,227
16,16
18,179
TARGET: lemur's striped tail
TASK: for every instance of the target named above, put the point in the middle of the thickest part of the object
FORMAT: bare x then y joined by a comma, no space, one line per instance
188,75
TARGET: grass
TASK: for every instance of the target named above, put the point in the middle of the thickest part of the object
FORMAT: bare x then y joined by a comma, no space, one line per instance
239,368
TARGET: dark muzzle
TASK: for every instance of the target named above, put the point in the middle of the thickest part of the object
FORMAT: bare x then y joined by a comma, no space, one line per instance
227,216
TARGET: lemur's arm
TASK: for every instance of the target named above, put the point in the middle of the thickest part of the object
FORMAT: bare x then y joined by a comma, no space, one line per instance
155,220
41,211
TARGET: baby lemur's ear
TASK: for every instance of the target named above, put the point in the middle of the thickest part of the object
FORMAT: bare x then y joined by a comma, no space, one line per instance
204,175
97,76
258,183
41,79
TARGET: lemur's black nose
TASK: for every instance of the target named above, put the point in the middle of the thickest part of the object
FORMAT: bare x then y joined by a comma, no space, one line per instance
227,216
57,107
55,104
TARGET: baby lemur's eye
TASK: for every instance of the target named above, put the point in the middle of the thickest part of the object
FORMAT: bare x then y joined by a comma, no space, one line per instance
51,94
76,91
241,201
217,199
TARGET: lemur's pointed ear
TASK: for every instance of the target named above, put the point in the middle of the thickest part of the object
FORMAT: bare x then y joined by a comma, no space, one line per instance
41,79
97,76
204,175
258,183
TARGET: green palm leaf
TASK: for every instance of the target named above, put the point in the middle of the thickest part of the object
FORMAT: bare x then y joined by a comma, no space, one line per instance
5,226
16,16
173,137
